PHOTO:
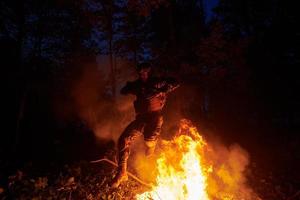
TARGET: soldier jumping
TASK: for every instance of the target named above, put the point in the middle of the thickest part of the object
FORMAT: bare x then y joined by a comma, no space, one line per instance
151,94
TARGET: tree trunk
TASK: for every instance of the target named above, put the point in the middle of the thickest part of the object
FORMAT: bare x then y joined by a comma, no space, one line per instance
111,60
112,69
171,25
22,82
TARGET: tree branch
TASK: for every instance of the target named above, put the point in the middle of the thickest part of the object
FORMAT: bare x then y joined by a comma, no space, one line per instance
129,174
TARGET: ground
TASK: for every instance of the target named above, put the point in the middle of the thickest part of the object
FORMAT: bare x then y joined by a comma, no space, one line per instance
273,173
83,180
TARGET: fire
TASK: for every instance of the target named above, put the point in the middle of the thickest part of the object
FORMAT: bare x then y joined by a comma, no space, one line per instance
182,172
188,168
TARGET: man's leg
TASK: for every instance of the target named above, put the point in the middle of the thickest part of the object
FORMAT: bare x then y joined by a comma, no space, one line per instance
132,131
152,132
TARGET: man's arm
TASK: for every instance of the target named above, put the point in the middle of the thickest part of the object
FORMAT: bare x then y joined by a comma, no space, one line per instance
165,86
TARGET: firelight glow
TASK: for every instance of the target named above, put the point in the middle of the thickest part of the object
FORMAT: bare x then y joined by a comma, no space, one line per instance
182,175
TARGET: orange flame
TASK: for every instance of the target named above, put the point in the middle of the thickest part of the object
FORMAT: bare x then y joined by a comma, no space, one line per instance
182,175
189,169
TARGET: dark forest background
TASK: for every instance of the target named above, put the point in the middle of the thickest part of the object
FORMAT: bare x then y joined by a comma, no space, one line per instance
237,65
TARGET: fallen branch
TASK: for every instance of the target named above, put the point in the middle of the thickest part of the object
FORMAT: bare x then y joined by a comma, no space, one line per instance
129,174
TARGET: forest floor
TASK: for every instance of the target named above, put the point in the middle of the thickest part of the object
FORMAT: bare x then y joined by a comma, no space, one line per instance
83,180
273,175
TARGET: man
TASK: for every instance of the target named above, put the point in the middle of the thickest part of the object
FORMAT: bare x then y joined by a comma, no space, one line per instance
151,94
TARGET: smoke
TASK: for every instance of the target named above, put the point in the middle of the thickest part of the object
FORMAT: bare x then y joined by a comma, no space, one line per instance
228,178
88,98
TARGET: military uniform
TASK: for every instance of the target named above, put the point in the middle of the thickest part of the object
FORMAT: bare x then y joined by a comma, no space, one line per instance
150,100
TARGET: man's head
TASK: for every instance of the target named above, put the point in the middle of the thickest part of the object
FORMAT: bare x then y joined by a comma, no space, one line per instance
143,70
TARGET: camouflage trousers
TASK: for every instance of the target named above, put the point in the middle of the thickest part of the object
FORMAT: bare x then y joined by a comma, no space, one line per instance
149,125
